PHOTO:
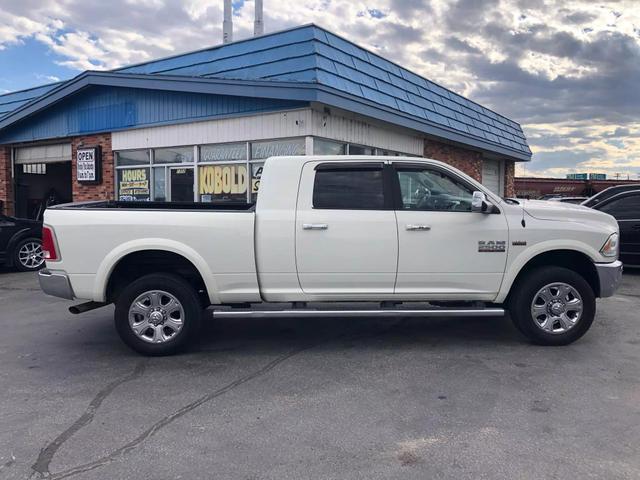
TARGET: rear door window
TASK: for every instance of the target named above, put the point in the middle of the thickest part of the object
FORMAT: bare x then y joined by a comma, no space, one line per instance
345,188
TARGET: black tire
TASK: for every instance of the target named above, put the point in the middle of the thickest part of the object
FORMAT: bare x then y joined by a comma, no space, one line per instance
527,287
18,263
174,285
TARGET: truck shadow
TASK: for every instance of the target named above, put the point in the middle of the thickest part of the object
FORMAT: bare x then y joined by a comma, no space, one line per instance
337,333
97,337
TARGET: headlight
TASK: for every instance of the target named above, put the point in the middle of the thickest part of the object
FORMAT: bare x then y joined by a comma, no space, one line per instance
610,247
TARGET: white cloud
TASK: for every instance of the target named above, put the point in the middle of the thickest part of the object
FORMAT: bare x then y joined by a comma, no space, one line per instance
551,64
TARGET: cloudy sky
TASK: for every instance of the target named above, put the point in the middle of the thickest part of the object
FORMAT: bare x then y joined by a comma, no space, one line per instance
567,70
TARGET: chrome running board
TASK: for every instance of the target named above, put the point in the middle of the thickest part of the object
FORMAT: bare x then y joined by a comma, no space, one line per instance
302,313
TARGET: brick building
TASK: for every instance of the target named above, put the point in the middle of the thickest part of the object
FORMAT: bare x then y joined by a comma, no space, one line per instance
198,126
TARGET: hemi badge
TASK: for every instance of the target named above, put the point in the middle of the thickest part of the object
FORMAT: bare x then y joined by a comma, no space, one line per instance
519,243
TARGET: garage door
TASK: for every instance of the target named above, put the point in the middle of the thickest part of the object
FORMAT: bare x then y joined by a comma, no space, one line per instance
491,177
44,154
42,178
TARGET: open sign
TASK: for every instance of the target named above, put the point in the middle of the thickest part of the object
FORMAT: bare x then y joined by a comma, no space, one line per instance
88,165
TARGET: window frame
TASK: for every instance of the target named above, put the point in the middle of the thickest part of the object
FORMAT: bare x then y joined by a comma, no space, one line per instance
617,198
397,190
387,188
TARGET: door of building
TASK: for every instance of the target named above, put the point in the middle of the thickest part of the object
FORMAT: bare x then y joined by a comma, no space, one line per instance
43,177
181,184
491,177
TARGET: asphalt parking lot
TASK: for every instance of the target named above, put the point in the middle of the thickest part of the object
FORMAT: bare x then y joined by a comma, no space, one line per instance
331,399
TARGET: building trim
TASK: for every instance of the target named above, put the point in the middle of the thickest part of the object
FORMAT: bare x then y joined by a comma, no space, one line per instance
272,125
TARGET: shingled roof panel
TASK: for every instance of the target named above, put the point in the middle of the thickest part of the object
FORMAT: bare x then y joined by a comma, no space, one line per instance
310,54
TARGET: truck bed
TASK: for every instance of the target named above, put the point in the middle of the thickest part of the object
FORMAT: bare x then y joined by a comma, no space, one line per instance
218,239
115,204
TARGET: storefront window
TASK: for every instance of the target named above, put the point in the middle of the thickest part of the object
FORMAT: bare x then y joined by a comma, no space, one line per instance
277,148
133,184
223,153
222,183
132,157
359,150
159,184
328,147
224,173
173,155
256,175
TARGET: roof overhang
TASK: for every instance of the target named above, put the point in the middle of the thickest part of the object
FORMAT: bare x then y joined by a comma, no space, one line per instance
309,92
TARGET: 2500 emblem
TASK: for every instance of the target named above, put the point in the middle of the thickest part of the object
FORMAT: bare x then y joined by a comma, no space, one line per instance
492,246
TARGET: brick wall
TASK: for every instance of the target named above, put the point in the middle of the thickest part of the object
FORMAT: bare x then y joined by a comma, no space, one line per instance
468,161
6,182
509,178
105,190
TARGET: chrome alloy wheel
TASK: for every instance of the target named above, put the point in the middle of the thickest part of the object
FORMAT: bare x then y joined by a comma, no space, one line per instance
557,308
156,316
31,255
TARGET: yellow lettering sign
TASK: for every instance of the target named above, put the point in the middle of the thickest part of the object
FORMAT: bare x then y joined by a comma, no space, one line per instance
222,179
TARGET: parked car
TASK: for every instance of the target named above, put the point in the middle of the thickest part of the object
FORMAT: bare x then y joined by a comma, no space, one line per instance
610,192
335,230
575,200
21,243
625,207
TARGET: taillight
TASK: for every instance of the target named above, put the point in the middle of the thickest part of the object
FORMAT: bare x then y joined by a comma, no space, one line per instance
49,244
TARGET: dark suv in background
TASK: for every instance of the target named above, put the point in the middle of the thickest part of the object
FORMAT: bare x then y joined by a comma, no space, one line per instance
623,202
20,243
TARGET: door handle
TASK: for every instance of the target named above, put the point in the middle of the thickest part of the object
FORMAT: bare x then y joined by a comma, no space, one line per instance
423,228
314,226
636,226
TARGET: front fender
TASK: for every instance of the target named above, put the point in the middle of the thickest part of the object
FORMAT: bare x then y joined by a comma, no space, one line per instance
110,261
516,264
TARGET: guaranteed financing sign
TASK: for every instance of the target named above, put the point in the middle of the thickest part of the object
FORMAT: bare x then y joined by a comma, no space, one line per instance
88,165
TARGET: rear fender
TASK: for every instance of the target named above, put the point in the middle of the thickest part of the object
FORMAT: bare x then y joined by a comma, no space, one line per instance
111,260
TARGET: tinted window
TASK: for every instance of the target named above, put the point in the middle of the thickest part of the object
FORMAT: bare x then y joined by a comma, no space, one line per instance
624,208
432,190
349,189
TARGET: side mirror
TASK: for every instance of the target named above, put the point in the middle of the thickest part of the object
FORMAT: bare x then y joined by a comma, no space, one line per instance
480,204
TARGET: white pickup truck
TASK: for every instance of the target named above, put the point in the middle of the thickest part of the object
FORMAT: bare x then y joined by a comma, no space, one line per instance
327,237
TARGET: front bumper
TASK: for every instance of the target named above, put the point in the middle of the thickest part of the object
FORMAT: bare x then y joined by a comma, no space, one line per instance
610,276
55,283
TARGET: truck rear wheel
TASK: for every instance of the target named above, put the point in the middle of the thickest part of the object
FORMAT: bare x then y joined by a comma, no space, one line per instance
158,314
552,306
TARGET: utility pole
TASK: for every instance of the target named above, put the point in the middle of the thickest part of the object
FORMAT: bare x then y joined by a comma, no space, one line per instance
258,24
227,24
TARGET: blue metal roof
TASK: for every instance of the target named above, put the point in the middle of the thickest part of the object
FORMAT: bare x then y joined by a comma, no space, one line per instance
10,102
346,76
100,108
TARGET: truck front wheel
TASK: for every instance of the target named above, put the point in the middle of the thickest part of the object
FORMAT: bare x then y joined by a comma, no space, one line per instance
552,306
158,314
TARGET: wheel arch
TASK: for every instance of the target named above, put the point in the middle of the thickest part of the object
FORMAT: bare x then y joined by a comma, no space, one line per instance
143,257
571,259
